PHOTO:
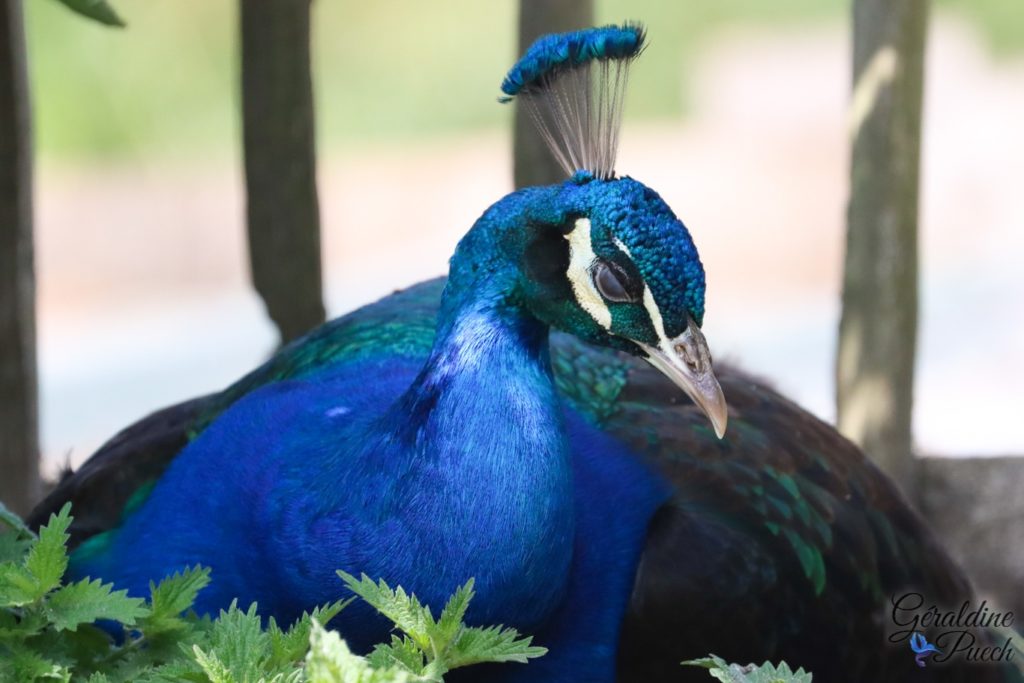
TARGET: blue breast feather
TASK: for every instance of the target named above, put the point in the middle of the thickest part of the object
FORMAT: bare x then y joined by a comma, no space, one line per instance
248,497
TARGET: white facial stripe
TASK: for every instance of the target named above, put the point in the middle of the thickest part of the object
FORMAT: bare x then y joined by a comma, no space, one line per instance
651,306
656,320
581,258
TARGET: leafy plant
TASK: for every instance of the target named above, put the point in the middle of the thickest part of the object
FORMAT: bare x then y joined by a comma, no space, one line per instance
48,629
734,673
430,649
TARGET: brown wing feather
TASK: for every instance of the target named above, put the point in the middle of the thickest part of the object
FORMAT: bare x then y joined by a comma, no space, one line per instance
784,542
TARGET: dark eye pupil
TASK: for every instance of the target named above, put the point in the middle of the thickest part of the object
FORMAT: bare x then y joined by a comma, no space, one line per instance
609,282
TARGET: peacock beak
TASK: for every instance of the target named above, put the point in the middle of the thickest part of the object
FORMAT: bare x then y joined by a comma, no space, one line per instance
687,362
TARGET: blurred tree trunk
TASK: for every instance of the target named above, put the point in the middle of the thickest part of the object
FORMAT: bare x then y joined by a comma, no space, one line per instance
19,435
280,162
975,506
534,164
878,330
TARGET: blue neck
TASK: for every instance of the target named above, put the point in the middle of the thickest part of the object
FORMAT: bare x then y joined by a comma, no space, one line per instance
483,425
485,343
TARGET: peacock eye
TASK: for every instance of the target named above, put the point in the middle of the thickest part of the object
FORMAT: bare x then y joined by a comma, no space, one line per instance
612,282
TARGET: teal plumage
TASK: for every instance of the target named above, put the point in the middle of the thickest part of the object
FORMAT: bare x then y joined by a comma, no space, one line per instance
554,53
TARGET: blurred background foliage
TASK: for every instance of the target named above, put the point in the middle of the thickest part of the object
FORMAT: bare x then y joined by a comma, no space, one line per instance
389,70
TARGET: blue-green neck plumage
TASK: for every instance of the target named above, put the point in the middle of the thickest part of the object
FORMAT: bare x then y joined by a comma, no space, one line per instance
484,428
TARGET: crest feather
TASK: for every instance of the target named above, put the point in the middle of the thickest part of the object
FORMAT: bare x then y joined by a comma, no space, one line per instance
573,84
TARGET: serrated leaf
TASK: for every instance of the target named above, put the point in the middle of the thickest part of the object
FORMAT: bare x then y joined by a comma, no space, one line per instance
182,669
176,593
292,645
82,645
401,653
211,665
171,597
22,664
434,648
18,586
404,610
47,559
10,625
330,661
23,626
493,644
14,522
13,546
239,643
85,601
734,673
450,622
97,10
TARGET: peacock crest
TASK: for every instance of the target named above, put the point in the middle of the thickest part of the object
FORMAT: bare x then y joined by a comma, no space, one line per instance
573,85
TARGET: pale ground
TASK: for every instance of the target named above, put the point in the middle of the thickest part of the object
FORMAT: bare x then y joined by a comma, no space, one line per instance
144,299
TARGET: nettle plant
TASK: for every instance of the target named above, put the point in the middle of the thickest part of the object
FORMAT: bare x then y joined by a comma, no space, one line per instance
49,631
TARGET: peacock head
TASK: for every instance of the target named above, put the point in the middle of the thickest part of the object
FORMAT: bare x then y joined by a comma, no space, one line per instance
606,259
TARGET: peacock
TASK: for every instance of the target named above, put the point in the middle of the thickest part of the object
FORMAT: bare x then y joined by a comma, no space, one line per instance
547,420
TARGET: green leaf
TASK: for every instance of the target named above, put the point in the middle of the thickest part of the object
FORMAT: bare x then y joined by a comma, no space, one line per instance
445,644
401,653
185,668
330,661
214,669
14,522
238,642
494,644
450,622
86,601
734,673
97,10
44,562
27,624
291,645
171,597
47,560
83,646
22,664
404,610
18,586
177,592
13,546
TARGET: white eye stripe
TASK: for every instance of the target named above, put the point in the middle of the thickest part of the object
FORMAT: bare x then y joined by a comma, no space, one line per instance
650,305
581,259
656,320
